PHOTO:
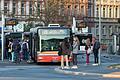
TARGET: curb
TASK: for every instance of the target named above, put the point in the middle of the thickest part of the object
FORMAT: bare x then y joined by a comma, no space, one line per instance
76,73
111,75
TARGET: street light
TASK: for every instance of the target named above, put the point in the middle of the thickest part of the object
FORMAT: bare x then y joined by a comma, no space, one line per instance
99,29
3,24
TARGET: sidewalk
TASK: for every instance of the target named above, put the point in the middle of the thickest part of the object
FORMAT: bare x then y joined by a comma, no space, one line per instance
91,70
100,70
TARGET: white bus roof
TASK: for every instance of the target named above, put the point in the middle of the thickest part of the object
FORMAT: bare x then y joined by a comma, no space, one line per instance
53,25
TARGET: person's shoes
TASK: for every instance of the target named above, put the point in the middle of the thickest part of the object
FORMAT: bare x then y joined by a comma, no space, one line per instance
74,67
86,64
62,67
96,64
66,67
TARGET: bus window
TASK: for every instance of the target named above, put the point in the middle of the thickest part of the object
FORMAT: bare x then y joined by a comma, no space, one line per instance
50,39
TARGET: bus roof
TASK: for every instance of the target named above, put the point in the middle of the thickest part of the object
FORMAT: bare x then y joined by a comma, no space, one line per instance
37,28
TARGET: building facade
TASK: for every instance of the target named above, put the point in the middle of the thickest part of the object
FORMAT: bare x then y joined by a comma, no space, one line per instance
110,12
23,9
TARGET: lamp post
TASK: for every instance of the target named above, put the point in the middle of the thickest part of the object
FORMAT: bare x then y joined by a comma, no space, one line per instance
99,29
3,24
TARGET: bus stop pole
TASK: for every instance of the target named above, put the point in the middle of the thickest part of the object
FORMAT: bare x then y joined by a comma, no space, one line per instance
100,31
2,36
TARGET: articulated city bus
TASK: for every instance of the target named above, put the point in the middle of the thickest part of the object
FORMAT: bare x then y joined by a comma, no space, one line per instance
45,42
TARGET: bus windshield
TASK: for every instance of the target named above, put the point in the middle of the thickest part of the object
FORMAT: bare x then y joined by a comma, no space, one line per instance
50,38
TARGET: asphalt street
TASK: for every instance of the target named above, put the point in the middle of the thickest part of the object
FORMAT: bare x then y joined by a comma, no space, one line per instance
24,71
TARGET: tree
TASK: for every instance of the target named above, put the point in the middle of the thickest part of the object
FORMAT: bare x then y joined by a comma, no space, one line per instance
55,12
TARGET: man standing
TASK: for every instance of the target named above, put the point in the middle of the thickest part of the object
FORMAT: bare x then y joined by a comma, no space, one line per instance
25,50
96,47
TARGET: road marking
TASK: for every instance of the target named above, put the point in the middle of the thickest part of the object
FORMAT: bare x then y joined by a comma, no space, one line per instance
111,75
6,69
23,66
18,78
76,73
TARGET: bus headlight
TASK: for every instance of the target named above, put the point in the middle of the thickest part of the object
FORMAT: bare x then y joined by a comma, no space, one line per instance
40,57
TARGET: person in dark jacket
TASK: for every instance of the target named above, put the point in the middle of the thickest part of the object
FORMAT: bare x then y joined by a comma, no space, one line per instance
96,47
66,51
16,47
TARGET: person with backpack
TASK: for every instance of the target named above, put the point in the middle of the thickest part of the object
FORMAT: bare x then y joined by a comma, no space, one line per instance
25,50
16,47
96,47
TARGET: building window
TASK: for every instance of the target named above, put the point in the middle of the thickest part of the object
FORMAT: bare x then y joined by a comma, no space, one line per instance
14,7
116,12
6,7
69,10
97,30
22,8
82,10
116,29
30,8
103,12
69,6
104,30
75,10
110,12
119,29
110,30
89,10
97,12
38,8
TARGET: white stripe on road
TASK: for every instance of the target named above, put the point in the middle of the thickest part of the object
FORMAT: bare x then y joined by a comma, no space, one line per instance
76,73
23,66
18,78
6,69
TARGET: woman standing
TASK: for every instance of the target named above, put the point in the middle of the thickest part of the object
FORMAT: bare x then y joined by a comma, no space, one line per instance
75,50
10,50
66,51
88,50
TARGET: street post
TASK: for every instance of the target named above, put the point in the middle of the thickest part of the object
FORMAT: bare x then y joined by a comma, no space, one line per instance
100,30
3,24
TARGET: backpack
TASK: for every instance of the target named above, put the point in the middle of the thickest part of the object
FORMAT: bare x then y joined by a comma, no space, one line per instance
16,47
24,46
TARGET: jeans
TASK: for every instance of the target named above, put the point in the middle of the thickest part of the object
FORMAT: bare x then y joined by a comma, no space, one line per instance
96,57
74,59
25,54
12,56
